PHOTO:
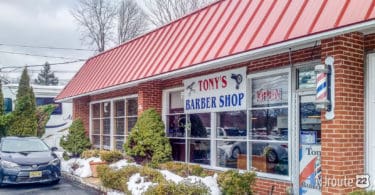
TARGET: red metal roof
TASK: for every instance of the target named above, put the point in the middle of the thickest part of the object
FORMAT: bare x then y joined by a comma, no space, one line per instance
222,29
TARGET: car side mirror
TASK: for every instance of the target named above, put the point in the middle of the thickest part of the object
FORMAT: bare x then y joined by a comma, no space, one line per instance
53,149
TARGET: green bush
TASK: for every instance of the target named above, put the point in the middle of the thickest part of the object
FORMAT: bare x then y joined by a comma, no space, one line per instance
90,153
172,188
147,142
76,141
233,182
152,175
43,114
184,169
110,156
117,179
362,192
113,179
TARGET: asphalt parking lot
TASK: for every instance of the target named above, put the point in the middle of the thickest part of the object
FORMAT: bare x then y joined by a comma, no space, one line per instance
64,187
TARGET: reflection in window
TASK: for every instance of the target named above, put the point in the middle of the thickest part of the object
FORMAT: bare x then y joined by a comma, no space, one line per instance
270,91
231,125
269,124
232,152
310,122
200,151
306,77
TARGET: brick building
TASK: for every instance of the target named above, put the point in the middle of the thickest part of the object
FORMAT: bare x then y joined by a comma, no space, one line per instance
236,85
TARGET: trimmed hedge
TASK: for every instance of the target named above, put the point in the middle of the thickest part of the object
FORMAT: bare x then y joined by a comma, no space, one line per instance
171,188
233,182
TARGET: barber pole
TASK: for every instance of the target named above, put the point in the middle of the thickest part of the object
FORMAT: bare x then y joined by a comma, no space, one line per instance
321,86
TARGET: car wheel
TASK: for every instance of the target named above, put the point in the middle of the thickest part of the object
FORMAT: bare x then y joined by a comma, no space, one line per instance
271,156
236,152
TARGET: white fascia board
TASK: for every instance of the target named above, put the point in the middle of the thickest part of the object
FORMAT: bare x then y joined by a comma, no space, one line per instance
295,44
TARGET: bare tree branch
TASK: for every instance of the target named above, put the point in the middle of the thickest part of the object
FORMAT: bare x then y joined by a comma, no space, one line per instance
95,18
164,11
131,21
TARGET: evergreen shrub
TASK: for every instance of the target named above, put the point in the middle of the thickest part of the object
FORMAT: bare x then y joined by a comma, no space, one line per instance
110,156
147,142
233,182
76,141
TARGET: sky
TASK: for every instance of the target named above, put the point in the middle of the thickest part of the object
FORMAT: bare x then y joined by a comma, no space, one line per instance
40,23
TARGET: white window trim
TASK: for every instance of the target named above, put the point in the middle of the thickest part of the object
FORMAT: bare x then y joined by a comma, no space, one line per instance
266,73
111,100
165,102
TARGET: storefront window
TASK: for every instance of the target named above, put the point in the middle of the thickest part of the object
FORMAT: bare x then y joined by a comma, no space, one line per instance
120,121
306,77
199,128
252,138
231,146
175,125
268,118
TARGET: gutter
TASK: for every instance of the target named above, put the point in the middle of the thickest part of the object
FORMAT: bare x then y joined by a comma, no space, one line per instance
298,43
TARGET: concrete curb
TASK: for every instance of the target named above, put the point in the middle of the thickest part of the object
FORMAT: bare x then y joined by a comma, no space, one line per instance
73,178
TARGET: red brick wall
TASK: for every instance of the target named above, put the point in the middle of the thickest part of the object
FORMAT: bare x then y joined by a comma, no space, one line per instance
149,96
275,61
117,93
264,186
81,109
343,137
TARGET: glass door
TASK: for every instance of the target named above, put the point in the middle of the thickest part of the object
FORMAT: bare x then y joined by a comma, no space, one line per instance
309,126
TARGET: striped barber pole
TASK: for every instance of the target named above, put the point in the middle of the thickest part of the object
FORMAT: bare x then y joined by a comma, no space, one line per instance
321,87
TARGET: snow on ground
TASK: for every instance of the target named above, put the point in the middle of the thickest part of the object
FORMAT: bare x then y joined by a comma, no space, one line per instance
79,167
137,184
209,181
171,176
120,164
115,193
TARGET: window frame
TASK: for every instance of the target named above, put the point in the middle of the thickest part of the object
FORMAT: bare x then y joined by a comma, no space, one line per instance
280,71
112,117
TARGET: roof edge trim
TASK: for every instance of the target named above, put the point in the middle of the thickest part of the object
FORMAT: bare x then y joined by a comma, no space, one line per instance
237,58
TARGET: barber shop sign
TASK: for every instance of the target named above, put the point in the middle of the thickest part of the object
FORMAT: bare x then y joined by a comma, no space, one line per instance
223,91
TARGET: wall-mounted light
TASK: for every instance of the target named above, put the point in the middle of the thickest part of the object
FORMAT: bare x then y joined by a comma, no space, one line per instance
325,87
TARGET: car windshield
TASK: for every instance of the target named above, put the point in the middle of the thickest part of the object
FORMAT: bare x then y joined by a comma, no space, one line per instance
23,145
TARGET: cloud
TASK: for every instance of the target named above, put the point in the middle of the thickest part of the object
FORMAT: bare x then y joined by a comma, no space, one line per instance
39,23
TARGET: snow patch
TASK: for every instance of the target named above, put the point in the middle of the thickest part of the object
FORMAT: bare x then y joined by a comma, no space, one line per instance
171,176
79,167
115,193
209,181
121,164
137,184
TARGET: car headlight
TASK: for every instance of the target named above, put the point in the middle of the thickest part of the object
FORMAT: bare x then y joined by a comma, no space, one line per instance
54,162
8,164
